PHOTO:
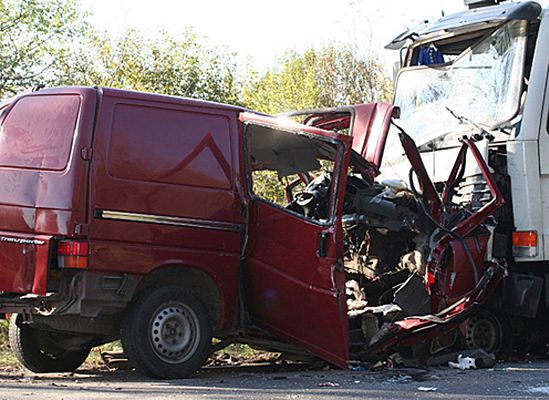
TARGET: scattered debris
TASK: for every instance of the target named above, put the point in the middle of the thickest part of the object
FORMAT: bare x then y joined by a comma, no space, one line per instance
115,360
427,389
399,379
224,359
482,358
328,384
463,363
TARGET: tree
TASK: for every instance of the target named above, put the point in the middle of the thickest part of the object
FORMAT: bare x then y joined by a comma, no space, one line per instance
327,77
182,65
32,33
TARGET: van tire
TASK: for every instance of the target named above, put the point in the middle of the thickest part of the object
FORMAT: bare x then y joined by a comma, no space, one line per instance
166,332
39,351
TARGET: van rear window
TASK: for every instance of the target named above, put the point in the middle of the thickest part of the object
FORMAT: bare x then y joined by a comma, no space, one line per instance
37,132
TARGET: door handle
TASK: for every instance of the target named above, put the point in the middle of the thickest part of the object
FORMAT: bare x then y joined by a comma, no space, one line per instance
323,244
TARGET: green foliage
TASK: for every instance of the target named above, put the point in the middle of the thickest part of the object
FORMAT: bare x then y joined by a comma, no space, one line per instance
51,42
267,185
32,35
327,77
4,343
166,64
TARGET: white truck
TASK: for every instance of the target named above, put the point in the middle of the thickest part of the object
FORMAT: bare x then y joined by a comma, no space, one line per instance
483,73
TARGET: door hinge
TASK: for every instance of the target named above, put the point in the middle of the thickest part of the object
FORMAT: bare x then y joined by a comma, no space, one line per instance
86,153
82,229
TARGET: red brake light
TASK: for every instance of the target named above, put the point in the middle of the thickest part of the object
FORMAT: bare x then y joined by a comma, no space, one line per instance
72,254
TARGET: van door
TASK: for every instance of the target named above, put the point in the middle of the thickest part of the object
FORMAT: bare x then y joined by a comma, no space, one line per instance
294,262
42,175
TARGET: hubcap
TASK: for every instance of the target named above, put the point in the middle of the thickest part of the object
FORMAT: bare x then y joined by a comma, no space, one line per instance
174,332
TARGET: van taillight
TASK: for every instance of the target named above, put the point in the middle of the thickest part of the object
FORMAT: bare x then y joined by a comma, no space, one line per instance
72,254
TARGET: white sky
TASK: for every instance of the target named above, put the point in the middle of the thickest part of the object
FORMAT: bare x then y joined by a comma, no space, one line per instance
260,31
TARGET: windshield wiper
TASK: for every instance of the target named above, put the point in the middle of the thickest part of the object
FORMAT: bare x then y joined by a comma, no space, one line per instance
476,136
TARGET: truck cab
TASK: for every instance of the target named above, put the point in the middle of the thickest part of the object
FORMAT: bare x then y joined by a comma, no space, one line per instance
482,74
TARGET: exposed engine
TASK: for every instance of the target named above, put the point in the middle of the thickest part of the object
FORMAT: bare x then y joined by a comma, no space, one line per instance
385,242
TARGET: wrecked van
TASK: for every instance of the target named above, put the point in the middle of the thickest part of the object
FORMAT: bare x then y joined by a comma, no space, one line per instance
148,218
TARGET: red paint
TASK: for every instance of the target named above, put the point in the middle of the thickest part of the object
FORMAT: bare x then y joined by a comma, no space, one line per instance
368,125
146,181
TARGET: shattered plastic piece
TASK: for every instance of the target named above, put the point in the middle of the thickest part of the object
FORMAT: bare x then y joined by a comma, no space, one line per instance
383,309
463,363
414,262
427,389
328,384
399,379
482,358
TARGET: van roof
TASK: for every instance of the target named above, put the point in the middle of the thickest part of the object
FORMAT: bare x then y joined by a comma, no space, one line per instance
132,94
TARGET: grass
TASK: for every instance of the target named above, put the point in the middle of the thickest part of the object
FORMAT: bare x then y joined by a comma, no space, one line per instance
8,360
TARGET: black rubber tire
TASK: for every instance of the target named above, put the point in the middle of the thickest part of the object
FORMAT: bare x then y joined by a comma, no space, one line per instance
144,349
39,351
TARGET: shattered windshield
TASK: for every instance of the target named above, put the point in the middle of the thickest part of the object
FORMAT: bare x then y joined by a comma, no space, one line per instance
483,84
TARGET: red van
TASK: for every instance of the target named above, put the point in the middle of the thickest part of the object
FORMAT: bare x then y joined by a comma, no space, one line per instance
166,222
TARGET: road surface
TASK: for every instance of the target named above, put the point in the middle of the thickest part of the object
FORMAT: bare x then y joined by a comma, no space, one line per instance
515,381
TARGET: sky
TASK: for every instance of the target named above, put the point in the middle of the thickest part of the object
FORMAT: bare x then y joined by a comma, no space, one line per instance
259,31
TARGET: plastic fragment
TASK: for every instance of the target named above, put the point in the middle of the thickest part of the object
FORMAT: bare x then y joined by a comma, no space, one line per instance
328,384
463,363
427,389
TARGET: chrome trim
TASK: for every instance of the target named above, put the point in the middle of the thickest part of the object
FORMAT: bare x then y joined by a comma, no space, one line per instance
16,240
167,220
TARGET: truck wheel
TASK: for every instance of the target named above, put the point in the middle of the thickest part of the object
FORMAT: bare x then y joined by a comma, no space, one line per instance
166,333
40,351
484,331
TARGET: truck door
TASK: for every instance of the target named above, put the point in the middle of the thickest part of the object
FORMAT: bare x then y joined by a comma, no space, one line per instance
294,258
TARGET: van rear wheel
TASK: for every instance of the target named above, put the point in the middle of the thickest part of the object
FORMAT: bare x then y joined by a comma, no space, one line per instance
166,333
42,351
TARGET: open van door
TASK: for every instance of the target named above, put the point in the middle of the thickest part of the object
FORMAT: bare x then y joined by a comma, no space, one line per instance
294,276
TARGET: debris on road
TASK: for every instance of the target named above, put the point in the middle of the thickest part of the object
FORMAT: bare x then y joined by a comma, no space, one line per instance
427,389
463,363
224,359
328,384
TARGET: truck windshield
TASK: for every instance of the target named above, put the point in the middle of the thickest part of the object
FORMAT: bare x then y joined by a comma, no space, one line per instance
483,84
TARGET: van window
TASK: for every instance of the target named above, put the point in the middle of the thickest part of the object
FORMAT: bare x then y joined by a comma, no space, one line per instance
170,146
293,171
38,131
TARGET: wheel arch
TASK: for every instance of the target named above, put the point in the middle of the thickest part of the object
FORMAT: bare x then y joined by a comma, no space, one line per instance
200,282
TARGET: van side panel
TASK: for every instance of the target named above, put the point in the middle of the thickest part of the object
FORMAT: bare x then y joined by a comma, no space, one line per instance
163,191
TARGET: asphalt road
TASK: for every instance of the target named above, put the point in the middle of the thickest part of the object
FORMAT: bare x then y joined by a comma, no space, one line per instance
509,381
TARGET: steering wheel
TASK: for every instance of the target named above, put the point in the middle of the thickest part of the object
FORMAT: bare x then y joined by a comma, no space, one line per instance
308,201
